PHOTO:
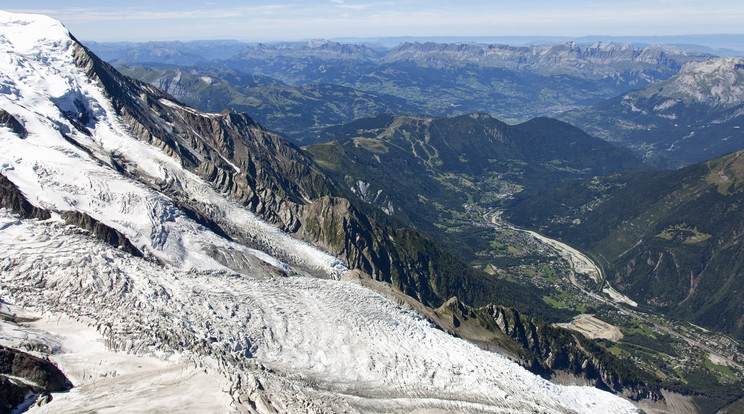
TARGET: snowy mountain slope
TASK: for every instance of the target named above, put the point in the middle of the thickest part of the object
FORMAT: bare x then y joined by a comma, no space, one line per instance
309,343
293,344
62,166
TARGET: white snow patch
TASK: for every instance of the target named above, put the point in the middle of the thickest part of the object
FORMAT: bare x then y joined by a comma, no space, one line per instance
666,105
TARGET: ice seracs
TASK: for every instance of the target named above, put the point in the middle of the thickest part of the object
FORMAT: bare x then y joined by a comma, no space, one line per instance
308,342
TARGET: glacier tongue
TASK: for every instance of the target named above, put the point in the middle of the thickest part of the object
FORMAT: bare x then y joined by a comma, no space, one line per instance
295,343
291,344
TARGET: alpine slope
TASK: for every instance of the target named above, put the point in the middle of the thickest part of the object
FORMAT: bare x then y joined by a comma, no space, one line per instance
217,323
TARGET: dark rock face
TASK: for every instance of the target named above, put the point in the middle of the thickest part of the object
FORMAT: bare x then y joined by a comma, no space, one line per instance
39,377
547,350
101,231
37,370
12,394
13,124
12,199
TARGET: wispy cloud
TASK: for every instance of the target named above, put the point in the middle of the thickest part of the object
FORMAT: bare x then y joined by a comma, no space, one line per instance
355,6
293,19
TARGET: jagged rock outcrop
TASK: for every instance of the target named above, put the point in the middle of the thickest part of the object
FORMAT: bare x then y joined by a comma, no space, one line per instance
40,371
12,199
548,350
24,376
101,231
12,123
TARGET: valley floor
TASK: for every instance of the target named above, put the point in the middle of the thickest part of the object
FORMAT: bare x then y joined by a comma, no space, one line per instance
673,351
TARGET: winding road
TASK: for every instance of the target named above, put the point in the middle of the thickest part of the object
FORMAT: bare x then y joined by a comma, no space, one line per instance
582,264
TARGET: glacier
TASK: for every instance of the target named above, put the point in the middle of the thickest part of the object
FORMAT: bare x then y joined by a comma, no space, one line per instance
267,337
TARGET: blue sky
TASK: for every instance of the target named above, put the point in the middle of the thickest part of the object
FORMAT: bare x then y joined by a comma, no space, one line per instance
139,20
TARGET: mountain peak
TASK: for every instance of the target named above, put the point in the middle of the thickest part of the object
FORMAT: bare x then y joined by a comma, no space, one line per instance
714,81
27,31
714,65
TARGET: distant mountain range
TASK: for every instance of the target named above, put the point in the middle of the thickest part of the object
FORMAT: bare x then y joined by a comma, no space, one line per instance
452,79
510,83
718,44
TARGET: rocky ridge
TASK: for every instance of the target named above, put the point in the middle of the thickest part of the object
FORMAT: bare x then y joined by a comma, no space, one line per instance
26,379
545,349
712,81
9,121
12,199
599,59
